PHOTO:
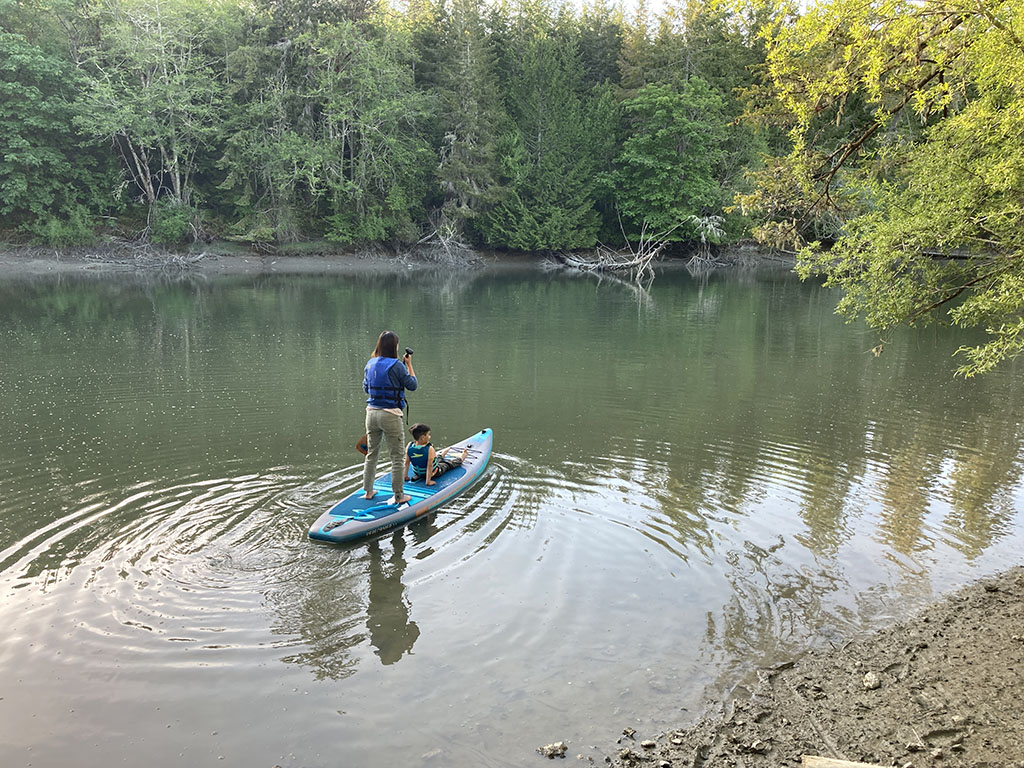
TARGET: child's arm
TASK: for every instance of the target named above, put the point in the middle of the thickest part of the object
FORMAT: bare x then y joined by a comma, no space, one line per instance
430,465
406,475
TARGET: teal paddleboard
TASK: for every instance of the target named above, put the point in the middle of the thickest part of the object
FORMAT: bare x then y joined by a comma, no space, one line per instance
355,518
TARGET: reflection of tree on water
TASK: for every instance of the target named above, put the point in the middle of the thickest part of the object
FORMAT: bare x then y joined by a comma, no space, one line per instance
392,633
776,610
773,606
985,472
911,469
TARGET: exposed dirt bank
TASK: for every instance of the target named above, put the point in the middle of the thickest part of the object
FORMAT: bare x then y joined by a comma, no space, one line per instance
305,258
945,688
228,261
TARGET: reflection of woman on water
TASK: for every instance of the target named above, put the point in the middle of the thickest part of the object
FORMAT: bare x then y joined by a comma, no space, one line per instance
384,380
392,633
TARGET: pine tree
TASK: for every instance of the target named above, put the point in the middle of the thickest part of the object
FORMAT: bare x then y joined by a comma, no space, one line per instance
665,172
472,118
600,30
548,162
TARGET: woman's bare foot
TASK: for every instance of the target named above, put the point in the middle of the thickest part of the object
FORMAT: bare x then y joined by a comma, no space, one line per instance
374,493
403,500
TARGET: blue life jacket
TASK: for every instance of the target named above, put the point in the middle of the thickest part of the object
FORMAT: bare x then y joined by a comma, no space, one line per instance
378,385
418,455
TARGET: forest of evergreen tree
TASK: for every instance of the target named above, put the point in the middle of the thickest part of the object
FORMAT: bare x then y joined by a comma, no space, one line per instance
525,125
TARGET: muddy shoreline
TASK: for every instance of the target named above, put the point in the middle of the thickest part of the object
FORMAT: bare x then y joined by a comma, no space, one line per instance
83,261
227,259
943,688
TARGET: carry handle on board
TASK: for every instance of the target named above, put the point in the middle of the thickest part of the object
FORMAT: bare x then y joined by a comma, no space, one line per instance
365,514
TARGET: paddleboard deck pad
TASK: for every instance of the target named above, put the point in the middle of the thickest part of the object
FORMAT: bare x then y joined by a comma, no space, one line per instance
355,517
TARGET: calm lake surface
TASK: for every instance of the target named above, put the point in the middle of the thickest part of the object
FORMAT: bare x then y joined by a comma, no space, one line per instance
687,485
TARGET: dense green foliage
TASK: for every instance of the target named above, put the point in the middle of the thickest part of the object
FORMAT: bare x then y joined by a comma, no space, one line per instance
552,149
48,173
907,159
525,125
666,169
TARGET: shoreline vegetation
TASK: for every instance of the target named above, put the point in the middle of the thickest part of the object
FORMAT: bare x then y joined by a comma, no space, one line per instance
455,123
937,689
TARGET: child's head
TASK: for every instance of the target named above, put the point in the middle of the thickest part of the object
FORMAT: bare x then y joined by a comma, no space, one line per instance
420,431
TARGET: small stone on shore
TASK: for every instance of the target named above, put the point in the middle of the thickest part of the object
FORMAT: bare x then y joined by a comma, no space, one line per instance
554,750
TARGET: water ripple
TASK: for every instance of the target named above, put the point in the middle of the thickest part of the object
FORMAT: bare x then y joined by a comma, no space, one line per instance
655,520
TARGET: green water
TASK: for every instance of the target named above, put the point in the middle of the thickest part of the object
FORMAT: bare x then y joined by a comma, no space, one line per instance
687,483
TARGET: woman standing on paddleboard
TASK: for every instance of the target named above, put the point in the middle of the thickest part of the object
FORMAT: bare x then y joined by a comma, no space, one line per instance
385,379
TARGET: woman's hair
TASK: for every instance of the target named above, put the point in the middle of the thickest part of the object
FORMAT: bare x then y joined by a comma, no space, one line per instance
387,345
418,429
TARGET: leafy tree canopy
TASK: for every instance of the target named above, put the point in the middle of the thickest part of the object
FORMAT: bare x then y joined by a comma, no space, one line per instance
50,182
665,173
906,129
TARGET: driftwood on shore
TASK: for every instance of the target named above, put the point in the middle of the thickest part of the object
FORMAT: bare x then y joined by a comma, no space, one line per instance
121,253
445,245
606,260
813,761
636,260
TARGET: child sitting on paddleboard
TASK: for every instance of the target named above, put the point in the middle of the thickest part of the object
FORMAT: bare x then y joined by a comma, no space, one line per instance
423,460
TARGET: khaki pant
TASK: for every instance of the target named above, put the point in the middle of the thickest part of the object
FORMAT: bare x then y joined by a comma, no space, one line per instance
381,424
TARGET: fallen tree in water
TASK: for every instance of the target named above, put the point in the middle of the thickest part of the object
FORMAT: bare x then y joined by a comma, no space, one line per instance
608,260
635,261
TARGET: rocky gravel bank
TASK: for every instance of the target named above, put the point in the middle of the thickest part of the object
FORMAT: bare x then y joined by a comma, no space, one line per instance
945,688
